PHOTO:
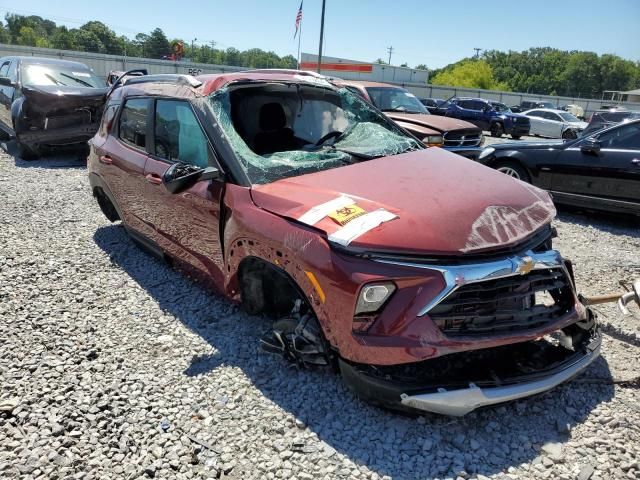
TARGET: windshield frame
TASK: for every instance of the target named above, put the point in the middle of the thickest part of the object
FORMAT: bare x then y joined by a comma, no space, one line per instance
229,155
58,68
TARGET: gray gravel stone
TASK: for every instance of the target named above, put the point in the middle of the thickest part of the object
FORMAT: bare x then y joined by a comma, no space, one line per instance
104,347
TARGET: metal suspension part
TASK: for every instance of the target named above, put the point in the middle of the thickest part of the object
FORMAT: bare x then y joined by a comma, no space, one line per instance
297,338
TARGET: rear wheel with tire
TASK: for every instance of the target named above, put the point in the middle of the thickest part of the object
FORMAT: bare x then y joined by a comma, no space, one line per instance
515,137
28,152
514,170
496,129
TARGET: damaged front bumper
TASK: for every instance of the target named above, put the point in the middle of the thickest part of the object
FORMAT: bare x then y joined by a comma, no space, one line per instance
459,402
459,383
467,152
60,136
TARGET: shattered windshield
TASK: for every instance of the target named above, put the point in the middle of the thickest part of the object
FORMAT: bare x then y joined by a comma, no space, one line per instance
391,99
52,74
280,130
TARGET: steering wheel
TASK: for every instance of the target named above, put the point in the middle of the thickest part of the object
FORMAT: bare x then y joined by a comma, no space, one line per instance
323,140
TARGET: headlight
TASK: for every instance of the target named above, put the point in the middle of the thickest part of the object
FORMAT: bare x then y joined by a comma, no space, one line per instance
486,152
373,296
433,140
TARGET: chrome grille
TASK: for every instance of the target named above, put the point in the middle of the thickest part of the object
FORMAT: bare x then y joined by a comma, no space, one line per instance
462,138
513,303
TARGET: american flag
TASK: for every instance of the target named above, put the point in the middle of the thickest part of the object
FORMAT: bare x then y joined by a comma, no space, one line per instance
298,19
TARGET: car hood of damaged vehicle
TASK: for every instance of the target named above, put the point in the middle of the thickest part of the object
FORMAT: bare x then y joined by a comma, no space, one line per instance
425,208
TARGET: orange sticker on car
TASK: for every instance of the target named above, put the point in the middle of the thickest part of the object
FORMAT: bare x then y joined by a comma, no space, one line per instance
344,215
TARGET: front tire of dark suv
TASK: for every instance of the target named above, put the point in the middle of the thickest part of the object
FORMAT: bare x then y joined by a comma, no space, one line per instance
28,152
496,129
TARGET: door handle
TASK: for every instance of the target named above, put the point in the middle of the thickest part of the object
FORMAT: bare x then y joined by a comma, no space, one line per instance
106,159
153,178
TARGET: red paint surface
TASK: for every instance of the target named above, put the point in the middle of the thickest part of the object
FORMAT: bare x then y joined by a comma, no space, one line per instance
338,67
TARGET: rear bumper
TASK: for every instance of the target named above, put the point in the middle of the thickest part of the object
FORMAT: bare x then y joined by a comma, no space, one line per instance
59,136
462,401
519,130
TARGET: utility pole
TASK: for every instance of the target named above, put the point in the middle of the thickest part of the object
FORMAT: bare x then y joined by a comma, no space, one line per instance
478,50
321,36
195,39
390,50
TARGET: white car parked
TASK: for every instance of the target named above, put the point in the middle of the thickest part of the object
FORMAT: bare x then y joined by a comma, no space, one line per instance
554,123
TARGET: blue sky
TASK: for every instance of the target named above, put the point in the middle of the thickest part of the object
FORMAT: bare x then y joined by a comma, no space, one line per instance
433,32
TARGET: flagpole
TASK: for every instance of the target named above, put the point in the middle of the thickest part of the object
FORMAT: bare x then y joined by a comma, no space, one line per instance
299,38
321,36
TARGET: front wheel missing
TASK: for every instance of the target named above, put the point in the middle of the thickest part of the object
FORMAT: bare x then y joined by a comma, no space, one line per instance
298,338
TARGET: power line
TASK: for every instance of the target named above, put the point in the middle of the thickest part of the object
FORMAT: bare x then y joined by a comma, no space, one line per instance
390,50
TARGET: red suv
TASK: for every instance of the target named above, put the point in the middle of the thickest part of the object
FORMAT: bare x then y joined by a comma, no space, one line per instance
427,280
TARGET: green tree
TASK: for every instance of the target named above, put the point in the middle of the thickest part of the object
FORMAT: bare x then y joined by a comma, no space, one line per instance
86,41
157,45
421,66
110,42
470,74
27,36
63,39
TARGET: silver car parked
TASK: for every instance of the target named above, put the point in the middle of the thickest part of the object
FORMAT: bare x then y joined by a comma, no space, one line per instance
551,123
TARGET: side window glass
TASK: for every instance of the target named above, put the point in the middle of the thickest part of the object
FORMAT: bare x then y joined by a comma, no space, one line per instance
13,71
626,138
4,69
133,122
178,136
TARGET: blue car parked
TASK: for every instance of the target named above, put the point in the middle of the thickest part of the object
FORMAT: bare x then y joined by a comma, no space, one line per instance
495,117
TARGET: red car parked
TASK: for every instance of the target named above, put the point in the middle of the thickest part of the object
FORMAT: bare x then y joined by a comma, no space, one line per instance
429,281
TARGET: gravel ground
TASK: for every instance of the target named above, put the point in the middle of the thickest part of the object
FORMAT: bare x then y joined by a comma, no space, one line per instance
114,366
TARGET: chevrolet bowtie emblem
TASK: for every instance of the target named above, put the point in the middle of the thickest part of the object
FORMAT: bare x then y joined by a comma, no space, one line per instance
525,265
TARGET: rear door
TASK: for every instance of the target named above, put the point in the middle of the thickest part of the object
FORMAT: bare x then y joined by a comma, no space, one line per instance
186,224
609,177
122,159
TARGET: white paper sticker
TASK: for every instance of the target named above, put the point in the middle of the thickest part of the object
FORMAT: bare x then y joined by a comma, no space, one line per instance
81,74
317,213
360,226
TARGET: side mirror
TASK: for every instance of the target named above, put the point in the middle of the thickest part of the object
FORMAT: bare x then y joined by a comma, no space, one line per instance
591,146
6,82
181,176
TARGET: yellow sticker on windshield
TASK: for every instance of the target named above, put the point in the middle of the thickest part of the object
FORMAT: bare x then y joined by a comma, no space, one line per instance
344,215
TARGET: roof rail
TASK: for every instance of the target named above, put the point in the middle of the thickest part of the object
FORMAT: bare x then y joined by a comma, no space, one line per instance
140,76
177,78
286,70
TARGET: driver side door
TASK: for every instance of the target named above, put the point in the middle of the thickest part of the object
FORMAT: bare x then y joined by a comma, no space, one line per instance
186,224
610,177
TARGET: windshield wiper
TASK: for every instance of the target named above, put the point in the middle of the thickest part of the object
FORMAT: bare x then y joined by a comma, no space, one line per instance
81,82
55,80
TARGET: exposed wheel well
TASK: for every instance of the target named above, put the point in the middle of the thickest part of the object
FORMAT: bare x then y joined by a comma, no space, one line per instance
266,288
106,205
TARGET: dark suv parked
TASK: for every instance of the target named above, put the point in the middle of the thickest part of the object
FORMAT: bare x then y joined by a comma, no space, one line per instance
47,101
493,116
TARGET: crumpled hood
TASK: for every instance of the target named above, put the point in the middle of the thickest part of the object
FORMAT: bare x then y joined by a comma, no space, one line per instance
46,98
432,122
444,203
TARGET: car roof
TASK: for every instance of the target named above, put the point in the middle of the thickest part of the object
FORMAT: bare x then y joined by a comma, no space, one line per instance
473,98
46,61
216,81
554,110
